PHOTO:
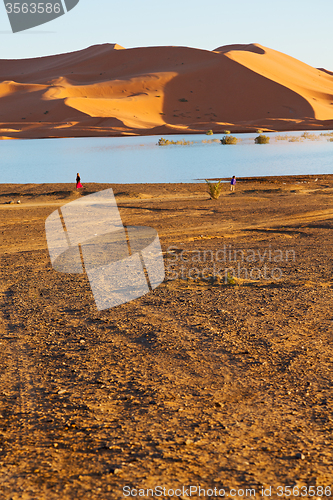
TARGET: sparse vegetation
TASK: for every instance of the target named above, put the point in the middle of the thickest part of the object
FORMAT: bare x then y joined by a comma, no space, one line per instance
259,131
310,137
226,132
183,100
166,142
282,137
229,139
305,136
261,139
209,132
214,189
231,279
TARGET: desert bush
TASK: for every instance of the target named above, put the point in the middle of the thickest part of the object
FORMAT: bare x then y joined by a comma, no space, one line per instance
259,131
166,142
163,142
282,137
214,189
229,139
261,139
209,132
310,137
183,100
295,138
226,132
231,279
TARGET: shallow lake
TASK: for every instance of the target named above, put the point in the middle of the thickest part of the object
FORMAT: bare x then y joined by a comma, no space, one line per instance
140,159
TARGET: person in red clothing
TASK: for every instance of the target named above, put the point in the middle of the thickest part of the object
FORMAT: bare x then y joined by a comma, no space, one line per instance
78,183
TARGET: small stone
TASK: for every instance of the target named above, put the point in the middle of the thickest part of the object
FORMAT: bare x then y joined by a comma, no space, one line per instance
115,470
18,202
188,442
62,391
300,456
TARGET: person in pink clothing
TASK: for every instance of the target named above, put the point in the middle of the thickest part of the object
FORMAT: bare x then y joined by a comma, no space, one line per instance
78,183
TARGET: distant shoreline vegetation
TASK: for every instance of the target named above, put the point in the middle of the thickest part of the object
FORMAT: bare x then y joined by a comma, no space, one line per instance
259,139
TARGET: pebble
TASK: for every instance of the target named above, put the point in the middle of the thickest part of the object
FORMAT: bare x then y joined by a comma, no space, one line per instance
115,471
300,456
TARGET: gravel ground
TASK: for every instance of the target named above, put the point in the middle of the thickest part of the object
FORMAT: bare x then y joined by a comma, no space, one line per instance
219,382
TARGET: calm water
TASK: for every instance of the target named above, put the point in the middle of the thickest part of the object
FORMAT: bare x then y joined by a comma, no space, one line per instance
139,159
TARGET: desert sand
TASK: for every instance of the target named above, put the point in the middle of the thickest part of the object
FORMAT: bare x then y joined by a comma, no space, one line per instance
202,382
107,90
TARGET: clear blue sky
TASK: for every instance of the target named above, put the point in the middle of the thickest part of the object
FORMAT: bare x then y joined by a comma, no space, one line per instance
300,28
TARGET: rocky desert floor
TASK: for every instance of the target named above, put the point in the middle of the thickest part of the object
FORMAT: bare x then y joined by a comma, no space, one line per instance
210,380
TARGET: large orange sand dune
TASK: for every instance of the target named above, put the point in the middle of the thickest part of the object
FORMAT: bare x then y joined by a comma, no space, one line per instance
108,90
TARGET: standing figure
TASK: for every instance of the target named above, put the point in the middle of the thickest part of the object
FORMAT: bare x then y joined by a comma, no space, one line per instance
78,183
233,183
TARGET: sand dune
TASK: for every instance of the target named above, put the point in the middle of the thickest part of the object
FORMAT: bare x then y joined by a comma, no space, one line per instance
109,90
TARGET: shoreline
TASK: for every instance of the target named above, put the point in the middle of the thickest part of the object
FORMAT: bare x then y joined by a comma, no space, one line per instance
88,186
163,131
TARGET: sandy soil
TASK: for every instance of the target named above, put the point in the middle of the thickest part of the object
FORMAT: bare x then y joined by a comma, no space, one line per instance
202,382
108,90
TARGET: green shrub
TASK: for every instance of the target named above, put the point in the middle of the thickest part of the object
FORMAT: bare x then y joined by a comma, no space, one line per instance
226,132
163,142
209,132
229,139
214,190
261,139
259,131
231,279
